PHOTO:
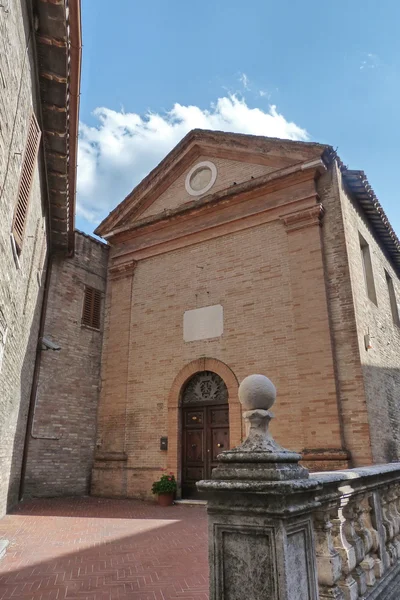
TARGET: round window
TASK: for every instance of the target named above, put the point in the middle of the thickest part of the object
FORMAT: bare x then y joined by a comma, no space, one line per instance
201,178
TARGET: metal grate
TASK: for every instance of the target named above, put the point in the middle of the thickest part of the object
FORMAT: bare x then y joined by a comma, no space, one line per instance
91,308
25,182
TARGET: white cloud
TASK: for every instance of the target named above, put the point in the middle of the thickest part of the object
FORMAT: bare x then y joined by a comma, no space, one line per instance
244,80
123,147
371,61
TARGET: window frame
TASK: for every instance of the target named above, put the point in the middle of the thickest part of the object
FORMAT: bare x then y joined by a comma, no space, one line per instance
392,299
91,308
368,270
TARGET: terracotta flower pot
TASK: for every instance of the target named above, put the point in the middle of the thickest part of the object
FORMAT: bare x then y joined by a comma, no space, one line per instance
165,499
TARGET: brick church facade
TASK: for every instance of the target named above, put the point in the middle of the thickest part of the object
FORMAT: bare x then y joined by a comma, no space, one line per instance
236,255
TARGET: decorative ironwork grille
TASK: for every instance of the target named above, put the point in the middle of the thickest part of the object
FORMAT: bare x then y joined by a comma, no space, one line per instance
205,387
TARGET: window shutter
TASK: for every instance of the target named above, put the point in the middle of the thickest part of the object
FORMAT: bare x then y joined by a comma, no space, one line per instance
91,308
25,182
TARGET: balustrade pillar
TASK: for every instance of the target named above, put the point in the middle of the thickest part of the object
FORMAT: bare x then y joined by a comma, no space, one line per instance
260,505
329,563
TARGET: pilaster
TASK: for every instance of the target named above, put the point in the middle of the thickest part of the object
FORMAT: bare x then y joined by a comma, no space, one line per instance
316,386
109,477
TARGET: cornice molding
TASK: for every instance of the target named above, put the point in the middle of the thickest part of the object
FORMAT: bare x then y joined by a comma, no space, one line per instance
122,270
304,218
197,143
265,184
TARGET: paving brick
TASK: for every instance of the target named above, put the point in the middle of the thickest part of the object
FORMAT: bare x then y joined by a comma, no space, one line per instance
91,549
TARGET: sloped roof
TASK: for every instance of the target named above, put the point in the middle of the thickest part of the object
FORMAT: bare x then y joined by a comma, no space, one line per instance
361,190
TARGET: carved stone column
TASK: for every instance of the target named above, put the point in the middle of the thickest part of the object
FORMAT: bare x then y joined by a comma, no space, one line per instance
329,563
260,503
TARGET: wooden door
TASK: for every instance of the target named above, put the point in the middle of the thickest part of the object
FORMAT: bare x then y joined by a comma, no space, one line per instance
205,435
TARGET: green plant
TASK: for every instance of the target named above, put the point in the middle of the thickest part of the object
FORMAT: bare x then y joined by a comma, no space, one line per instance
165,485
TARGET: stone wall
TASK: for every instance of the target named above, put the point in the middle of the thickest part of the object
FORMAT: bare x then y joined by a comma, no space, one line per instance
62,436
21,287
381,363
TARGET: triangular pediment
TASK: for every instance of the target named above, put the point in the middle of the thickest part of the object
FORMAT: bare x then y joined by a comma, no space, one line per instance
205,163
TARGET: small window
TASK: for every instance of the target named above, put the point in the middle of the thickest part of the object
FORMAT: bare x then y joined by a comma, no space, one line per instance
368,273
91,308
25,182
393,300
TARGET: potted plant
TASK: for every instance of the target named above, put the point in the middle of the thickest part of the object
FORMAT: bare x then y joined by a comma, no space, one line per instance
165,487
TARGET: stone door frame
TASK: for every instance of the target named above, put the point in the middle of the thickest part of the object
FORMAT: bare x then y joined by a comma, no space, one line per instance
174,454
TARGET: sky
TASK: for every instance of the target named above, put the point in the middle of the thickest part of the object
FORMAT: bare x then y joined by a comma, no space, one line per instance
319,71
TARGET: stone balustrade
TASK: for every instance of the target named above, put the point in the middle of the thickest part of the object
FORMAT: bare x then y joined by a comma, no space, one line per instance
277,532
357,525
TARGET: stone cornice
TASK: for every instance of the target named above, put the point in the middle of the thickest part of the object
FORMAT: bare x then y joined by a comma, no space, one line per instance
122,270
304,218
214,221
265,184
257,149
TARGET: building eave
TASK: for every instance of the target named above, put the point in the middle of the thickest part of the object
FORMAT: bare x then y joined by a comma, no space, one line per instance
58,48
358,186
361,190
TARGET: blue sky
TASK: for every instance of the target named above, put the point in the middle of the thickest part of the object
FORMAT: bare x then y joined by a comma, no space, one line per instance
153,70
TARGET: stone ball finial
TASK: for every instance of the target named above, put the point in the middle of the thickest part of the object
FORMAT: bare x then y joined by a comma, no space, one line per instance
257,392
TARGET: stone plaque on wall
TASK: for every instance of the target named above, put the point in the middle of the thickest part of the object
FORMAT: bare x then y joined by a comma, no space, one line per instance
203,323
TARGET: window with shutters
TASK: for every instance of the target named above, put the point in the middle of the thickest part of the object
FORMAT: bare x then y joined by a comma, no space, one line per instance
91,308
25,182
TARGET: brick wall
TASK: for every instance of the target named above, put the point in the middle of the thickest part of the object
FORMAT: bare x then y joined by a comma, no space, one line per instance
20,288
381,364
349,377
269,279
295,308
62,436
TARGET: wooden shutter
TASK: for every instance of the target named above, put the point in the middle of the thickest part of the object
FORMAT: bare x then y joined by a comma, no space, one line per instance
25,182
91,308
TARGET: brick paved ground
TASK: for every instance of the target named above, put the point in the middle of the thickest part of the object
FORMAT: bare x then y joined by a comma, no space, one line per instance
98,549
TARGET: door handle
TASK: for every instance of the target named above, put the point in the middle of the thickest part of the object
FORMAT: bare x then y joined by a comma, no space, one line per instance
194,445
220,445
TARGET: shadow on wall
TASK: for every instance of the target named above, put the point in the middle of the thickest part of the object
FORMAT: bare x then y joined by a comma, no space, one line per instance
130,549
382,387
23,395
17,430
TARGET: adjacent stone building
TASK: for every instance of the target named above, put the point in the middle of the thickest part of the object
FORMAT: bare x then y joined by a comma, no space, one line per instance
39,90
62,432
242,254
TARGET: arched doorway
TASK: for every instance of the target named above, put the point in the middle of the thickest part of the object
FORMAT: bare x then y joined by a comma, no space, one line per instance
205,427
